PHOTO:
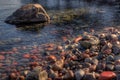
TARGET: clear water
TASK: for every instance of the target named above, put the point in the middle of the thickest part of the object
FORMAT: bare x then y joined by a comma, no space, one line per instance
10,36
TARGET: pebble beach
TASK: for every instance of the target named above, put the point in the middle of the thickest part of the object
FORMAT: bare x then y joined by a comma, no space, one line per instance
93,55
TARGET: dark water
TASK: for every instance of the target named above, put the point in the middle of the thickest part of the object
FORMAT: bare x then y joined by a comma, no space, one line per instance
10,36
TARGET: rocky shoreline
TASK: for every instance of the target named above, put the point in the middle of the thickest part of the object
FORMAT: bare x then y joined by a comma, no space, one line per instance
91,55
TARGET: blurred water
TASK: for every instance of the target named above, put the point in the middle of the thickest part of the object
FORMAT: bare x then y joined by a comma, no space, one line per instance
10,36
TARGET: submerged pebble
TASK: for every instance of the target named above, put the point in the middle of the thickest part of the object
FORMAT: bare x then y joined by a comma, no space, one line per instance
86,57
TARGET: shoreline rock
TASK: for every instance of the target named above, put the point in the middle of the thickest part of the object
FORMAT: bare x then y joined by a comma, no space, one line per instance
27,14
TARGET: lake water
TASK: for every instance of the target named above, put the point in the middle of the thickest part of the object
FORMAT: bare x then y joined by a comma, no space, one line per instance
10,36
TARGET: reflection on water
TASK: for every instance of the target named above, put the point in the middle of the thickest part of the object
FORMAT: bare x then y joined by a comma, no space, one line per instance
98,16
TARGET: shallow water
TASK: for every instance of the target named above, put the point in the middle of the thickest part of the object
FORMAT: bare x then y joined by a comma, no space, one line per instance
10,36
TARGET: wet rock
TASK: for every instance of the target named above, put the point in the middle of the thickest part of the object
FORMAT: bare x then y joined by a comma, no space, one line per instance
37,74
107,51
43,75
89,76
26,56
2,57
118,77
21,78
109,67
116,48
107,46
94,61
86,70
51,58
79,74
85,44
101,66
93,67
58,65
76,40
97,75
117,57
12,76
89,60
112,37
30,13
52,74
86,65
84,55
102,36
110,58
94,48
69,75
117,67
107,75
117,62
33,64
103,42
88,41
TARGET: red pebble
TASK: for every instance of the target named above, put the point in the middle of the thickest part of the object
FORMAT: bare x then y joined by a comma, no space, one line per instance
107,51
15,63
1,64
107,75
34,64
2,57
26,56
24,47
34,57
13,76
64,38
3,53
35,51
10,52
52,58
76,40
14,49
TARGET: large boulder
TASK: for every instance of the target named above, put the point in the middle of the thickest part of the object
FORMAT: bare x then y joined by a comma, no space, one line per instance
30,13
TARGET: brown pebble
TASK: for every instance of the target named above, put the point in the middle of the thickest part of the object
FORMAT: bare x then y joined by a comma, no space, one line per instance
21,78
69,75
13,76
93,67
84,55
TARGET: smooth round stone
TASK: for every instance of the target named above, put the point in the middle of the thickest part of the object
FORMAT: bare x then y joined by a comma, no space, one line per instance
117,67
86,65
2,57
79,74
95,61
118,77
107,75
52,74
86,70
107,46
58,65
117,57
43,75
110,58
89,60
112,37
69,75
21,78
110,67
89,76
116,49
93,67
37,74
117,62
101,66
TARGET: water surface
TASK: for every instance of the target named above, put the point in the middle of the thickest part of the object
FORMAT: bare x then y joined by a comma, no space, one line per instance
10,36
